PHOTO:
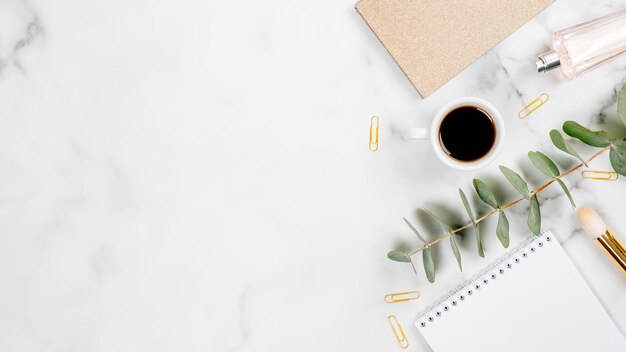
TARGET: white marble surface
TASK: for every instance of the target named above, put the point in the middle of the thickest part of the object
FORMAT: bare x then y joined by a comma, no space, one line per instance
194,176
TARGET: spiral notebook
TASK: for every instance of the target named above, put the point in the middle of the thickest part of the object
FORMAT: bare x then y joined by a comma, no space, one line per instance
533,299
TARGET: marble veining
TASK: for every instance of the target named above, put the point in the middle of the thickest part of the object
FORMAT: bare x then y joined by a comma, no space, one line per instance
194,176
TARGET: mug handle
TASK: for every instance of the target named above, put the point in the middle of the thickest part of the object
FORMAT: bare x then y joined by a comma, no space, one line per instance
417,133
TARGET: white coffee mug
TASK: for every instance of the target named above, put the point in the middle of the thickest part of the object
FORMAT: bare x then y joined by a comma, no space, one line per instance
432,133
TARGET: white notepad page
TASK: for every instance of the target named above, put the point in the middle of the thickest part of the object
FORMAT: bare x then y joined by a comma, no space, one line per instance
533,300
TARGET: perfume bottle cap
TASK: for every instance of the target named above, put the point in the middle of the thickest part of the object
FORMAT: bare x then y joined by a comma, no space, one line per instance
548,61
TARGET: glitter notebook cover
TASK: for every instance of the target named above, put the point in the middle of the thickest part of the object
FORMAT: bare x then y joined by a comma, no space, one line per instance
434,40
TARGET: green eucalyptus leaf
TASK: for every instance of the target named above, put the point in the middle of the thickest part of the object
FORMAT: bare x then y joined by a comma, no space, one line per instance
484,193
599,139
429,265
399,256
415,231
502,231
544,164
617,155
455,250
562,145
562,184
466,204
621,104
479,241
448,229
534,216
445,227
516,181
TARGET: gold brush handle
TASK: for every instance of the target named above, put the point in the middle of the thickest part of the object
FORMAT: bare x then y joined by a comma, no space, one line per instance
614,249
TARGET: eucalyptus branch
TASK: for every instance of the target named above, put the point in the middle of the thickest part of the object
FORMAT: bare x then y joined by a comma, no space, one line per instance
511,204
543,163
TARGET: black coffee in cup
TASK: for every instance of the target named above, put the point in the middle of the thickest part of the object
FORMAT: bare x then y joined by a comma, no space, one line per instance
467,133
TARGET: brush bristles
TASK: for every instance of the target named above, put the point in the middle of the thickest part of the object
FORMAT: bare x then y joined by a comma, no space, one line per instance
591,222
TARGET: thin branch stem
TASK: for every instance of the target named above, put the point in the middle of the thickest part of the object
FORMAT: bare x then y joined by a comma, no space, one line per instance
484,217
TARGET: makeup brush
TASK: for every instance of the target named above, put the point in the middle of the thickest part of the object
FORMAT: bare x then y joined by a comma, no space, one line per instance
592,223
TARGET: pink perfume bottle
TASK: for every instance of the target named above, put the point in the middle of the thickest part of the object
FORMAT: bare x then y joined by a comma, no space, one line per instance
582,48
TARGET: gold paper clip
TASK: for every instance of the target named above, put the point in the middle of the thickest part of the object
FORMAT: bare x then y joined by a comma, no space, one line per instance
401,296
374,123
533,105
600,175
398,331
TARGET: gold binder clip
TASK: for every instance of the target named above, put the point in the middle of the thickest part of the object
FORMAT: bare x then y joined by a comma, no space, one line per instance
398,331
401,296
600,175
374,123
533,105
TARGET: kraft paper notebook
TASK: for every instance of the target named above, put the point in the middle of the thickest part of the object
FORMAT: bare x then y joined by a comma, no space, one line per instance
533,299
433,40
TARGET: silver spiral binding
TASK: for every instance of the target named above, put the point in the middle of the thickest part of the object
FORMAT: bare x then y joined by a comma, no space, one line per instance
481,280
